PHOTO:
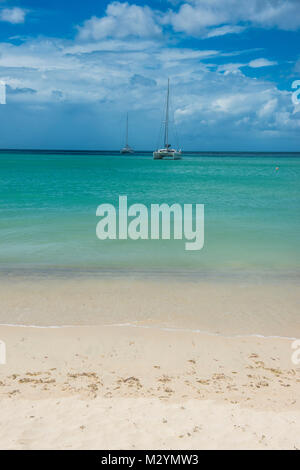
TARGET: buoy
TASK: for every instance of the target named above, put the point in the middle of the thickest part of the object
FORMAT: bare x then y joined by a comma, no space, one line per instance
277,168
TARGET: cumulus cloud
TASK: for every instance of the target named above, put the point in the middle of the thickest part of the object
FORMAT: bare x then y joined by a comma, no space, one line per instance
268,108
235,102
121,20
60,72
201,17
230,68
110,74
13,15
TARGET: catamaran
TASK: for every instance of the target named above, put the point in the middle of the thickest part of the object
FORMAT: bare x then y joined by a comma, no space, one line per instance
167,153
127,148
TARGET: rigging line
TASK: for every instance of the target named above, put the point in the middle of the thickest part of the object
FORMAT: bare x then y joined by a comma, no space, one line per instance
161,127
160,135
177,139
166,137
127,129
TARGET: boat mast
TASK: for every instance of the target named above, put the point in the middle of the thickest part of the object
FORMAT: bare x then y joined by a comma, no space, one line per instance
126,130
167,118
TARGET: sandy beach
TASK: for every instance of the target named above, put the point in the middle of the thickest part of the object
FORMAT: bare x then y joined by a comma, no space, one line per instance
143,385
149,227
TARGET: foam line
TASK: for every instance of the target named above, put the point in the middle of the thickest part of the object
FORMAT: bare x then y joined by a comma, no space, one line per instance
161,328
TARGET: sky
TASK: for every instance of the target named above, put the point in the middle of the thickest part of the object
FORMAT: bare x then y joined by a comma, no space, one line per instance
73,69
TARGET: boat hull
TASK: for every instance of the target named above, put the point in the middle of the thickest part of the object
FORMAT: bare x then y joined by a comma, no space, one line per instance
126,151
167,155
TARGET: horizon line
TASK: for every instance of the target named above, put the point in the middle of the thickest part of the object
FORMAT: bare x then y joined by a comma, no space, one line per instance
57,150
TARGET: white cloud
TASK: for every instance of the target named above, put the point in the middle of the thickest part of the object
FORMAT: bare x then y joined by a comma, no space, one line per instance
234,68
109,45
222,30
200,17
13,15
124,74
230,68
236,103
257,63
175,54
268,108
121,20
203,18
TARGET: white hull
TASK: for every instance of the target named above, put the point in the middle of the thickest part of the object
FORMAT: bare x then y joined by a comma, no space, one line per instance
126,151
167,155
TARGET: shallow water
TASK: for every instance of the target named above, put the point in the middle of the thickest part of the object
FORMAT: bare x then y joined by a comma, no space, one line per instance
48,211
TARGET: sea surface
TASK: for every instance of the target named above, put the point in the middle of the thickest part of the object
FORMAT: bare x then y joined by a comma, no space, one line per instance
49,201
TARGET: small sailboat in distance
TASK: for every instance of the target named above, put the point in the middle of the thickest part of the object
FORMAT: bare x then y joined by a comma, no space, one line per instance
127,149
167,153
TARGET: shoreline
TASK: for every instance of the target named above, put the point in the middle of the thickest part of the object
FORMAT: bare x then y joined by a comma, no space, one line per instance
231,308
149,363
212,274
159,328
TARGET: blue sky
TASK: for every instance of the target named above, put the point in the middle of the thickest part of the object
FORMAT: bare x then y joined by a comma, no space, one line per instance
73,69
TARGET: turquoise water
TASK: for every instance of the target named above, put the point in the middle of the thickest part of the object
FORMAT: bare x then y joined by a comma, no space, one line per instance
49,201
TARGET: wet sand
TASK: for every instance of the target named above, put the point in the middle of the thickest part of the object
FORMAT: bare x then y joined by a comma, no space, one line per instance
225,307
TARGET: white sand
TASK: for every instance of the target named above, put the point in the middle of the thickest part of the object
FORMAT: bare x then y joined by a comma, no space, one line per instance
143,423
122,387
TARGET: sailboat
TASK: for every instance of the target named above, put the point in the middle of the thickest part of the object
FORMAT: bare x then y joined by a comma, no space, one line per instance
167,153
127,148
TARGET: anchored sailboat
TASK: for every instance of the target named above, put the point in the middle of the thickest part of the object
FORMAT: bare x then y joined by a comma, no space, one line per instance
167,152
127,148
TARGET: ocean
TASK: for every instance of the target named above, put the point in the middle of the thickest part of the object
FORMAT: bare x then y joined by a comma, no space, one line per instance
49,201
